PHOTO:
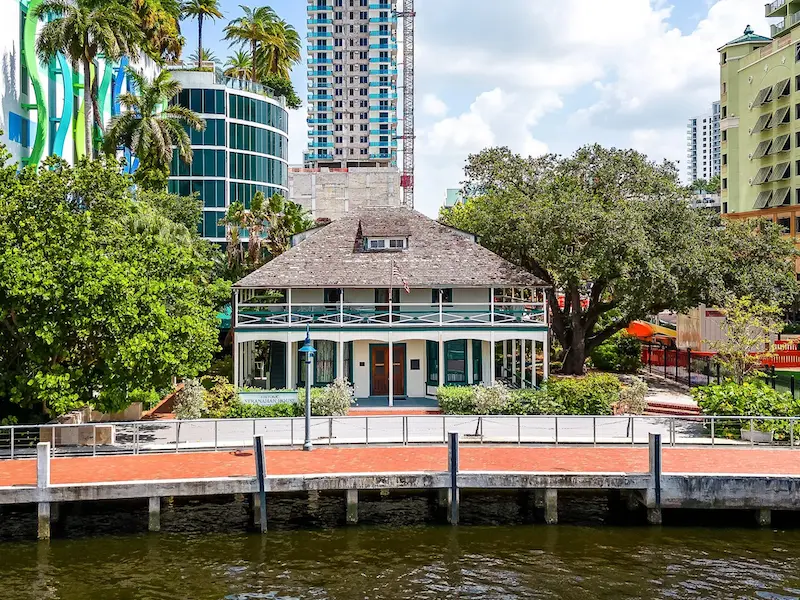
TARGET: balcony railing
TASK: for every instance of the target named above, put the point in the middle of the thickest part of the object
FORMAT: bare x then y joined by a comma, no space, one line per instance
772,7
345,314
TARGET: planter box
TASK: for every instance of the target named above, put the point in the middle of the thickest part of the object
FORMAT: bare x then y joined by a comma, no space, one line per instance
756,436
267,398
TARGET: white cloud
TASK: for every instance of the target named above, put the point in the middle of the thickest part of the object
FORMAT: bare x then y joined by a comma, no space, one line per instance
432,105
563,74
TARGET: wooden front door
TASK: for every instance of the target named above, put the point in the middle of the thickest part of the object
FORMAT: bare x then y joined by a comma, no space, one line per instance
379,360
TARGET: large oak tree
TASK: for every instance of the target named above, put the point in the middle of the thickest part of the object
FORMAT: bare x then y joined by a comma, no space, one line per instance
611,227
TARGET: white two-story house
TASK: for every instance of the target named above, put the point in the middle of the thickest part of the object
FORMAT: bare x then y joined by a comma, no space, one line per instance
384,287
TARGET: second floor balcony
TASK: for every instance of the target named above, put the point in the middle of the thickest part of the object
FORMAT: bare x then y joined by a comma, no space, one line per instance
256,312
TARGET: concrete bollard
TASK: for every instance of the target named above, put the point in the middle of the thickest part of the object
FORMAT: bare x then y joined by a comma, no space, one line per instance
351,498
42,483
154,514
453,497
551,507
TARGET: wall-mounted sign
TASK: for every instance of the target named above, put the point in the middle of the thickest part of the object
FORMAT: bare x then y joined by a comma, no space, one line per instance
268,398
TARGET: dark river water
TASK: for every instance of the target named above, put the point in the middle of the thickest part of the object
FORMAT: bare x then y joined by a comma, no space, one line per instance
205,553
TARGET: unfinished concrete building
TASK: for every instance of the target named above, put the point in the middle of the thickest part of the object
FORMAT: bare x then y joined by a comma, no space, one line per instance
329,193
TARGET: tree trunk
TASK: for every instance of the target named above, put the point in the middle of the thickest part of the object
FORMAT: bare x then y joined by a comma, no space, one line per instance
199,41
253,60
87,107
575,355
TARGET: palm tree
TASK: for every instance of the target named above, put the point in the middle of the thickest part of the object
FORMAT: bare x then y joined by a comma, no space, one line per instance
82,30
160,21
201,9
239,66
251,30
151,127
281,50
206,55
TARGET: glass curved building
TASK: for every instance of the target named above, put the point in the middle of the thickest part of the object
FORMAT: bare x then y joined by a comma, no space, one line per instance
243,150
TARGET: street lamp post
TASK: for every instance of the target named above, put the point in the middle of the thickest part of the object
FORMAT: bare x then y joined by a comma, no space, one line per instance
309,350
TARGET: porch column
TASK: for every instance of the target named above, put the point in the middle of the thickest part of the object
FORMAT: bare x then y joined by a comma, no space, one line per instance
546,357
391,371
513,359
289,382
523,346
442,381
470,374
505,357
340,358
289,305
533,363
492,366
236,381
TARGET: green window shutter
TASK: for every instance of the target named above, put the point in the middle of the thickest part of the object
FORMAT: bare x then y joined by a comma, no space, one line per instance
477,361
432,360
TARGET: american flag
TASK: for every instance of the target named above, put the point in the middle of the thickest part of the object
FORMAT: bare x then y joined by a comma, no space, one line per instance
396,274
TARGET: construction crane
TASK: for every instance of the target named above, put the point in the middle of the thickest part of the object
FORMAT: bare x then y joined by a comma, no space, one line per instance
407,178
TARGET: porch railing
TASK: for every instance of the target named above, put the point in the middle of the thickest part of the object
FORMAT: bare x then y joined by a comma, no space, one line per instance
361,314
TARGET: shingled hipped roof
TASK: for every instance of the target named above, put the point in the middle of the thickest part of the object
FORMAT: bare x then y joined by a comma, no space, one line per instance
437,257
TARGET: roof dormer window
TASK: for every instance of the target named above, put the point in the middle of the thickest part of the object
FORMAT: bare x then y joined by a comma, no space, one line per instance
385,243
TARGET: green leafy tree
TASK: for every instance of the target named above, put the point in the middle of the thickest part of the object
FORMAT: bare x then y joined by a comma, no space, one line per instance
183,210
83,30
102,299
714,185
613,228
748,328
152,127
200,10
283,87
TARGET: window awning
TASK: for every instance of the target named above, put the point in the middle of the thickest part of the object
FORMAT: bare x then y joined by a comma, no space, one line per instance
764,122
762,175
763,199
762,149
781,171
781,89
761,97
781,144
780,116
779,197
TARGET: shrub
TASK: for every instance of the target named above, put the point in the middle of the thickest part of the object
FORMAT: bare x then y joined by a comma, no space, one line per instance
219,396
456,400
331,401
189,402
751,398
491,400
253,411
534,402
593,394
632,397
622,353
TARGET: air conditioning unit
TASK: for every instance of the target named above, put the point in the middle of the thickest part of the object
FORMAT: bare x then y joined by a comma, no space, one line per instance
750,156
750,181
749,105
750,79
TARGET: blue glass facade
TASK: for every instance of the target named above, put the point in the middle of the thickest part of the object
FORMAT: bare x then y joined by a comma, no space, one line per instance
243,150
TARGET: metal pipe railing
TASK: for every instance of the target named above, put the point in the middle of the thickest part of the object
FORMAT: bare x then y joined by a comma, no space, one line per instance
98,439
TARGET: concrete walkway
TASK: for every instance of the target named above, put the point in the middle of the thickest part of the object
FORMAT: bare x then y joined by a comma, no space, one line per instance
324,461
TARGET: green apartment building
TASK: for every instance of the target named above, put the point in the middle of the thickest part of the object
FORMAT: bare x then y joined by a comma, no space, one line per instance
760,121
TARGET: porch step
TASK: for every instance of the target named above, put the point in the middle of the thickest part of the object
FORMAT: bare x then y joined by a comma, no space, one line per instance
672,409
394,412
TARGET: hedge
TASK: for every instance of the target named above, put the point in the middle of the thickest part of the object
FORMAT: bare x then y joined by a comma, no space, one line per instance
593,394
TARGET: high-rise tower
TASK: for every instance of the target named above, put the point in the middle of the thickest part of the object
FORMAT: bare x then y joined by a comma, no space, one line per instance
352,83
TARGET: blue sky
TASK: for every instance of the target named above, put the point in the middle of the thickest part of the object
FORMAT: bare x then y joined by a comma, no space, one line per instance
545,76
